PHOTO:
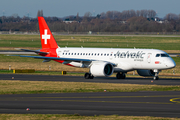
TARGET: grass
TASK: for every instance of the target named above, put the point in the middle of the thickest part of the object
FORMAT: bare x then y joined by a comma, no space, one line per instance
77,117
33,41
37,87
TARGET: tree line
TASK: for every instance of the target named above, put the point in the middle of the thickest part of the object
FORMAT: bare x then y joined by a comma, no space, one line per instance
111,21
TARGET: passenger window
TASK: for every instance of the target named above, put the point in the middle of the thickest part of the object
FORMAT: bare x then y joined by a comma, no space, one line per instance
86,54
98,54
89,54
111,54
66,53
63,53
74,53
104,54
78,54
114,54
92,54
69,53
81,53
95,54
101,54
107,54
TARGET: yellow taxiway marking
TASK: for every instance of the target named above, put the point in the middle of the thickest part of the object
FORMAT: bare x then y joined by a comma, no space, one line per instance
172,101
175,100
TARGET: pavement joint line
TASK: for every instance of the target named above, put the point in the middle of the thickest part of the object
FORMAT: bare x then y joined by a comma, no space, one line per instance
114,96
107,101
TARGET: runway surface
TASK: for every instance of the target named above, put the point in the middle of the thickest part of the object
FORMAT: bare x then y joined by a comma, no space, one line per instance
128,80
161,104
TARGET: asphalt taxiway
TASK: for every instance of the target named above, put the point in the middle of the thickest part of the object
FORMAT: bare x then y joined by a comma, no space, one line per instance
128,80
161,104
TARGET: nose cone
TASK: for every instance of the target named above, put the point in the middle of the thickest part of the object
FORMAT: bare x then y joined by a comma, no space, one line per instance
171,64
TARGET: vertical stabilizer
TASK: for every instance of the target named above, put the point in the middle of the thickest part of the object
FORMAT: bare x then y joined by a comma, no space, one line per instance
47,39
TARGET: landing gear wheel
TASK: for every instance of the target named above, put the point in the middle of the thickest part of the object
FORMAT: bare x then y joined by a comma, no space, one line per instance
91,77
156,78
123,76
120,76
88,76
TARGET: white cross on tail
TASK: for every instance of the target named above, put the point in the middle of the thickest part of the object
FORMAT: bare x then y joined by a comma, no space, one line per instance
45,36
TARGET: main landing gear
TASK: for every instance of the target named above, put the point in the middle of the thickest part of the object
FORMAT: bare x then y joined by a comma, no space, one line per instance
88,76
120,75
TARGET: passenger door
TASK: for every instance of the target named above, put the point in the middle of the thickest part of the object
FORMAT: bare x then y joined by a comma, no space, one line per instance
149,57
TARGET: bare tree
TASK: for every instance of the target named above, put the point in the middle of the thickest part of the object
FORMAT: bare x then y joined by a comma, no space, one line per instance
151,13
87,16
39,13
171,16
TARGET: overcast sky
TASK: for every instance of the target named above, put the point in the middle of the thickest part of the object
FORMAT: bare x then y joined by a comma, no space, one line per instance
62,8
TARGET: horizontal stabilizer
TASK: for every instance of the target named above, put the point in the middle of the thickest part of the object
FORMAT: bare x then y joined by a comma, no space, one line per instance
36,51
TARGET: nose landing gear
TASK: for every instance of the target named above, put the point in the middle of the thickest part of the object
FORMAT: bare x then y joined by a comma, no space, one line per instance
156,75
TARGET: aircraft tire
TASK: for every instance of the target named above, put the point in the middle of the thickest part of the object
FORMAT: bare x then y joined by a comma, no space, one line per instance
91,77
120,76
156,78
86,75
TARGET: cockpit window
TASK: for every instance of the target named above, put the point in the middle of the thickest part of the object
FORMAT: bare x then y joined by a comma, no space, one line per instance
158,55
162,55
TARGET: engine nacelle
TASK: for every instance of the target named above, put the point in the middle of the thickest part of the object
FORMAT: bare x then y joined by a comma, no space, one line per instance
101,69
146,72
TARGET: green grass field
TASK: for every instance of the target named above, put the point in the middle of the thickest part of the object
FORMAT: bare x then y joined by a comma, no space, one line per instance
33,41
37,87
77,117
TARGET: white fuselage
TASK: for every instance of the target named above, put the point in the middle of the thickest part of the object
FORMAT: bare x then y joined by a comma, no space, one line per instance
123,59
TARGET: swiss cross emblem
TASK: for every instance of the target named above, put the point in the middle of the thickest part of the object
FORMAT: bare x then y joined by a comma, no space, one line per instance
45,36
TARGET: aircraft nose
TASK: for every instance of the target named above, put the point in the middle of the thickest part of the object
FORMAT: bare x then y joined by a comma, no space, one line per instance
171,64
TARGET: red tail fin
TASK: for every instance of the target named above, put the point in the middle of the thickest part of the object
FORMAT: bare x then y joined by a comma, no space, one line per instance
47,39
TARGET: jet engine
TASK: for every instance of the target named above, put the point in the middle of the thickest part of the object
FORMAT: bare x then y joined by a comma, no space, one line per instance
101,69
146,72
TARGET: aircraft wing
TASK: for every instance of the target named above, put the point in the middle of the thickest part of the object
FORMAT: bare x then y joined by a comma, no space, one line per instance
54,58
65,59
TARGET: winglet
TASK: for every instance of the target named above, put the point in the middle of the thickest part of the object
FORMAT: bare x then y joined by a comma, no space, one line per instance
47,39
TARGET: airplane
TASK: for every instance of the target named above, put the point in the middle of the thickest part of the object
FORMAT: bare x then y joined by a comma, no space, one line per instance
102,61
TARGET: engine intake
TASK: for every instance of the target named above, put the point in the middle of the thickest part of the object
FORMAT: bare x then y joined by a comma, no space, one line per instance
102,69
